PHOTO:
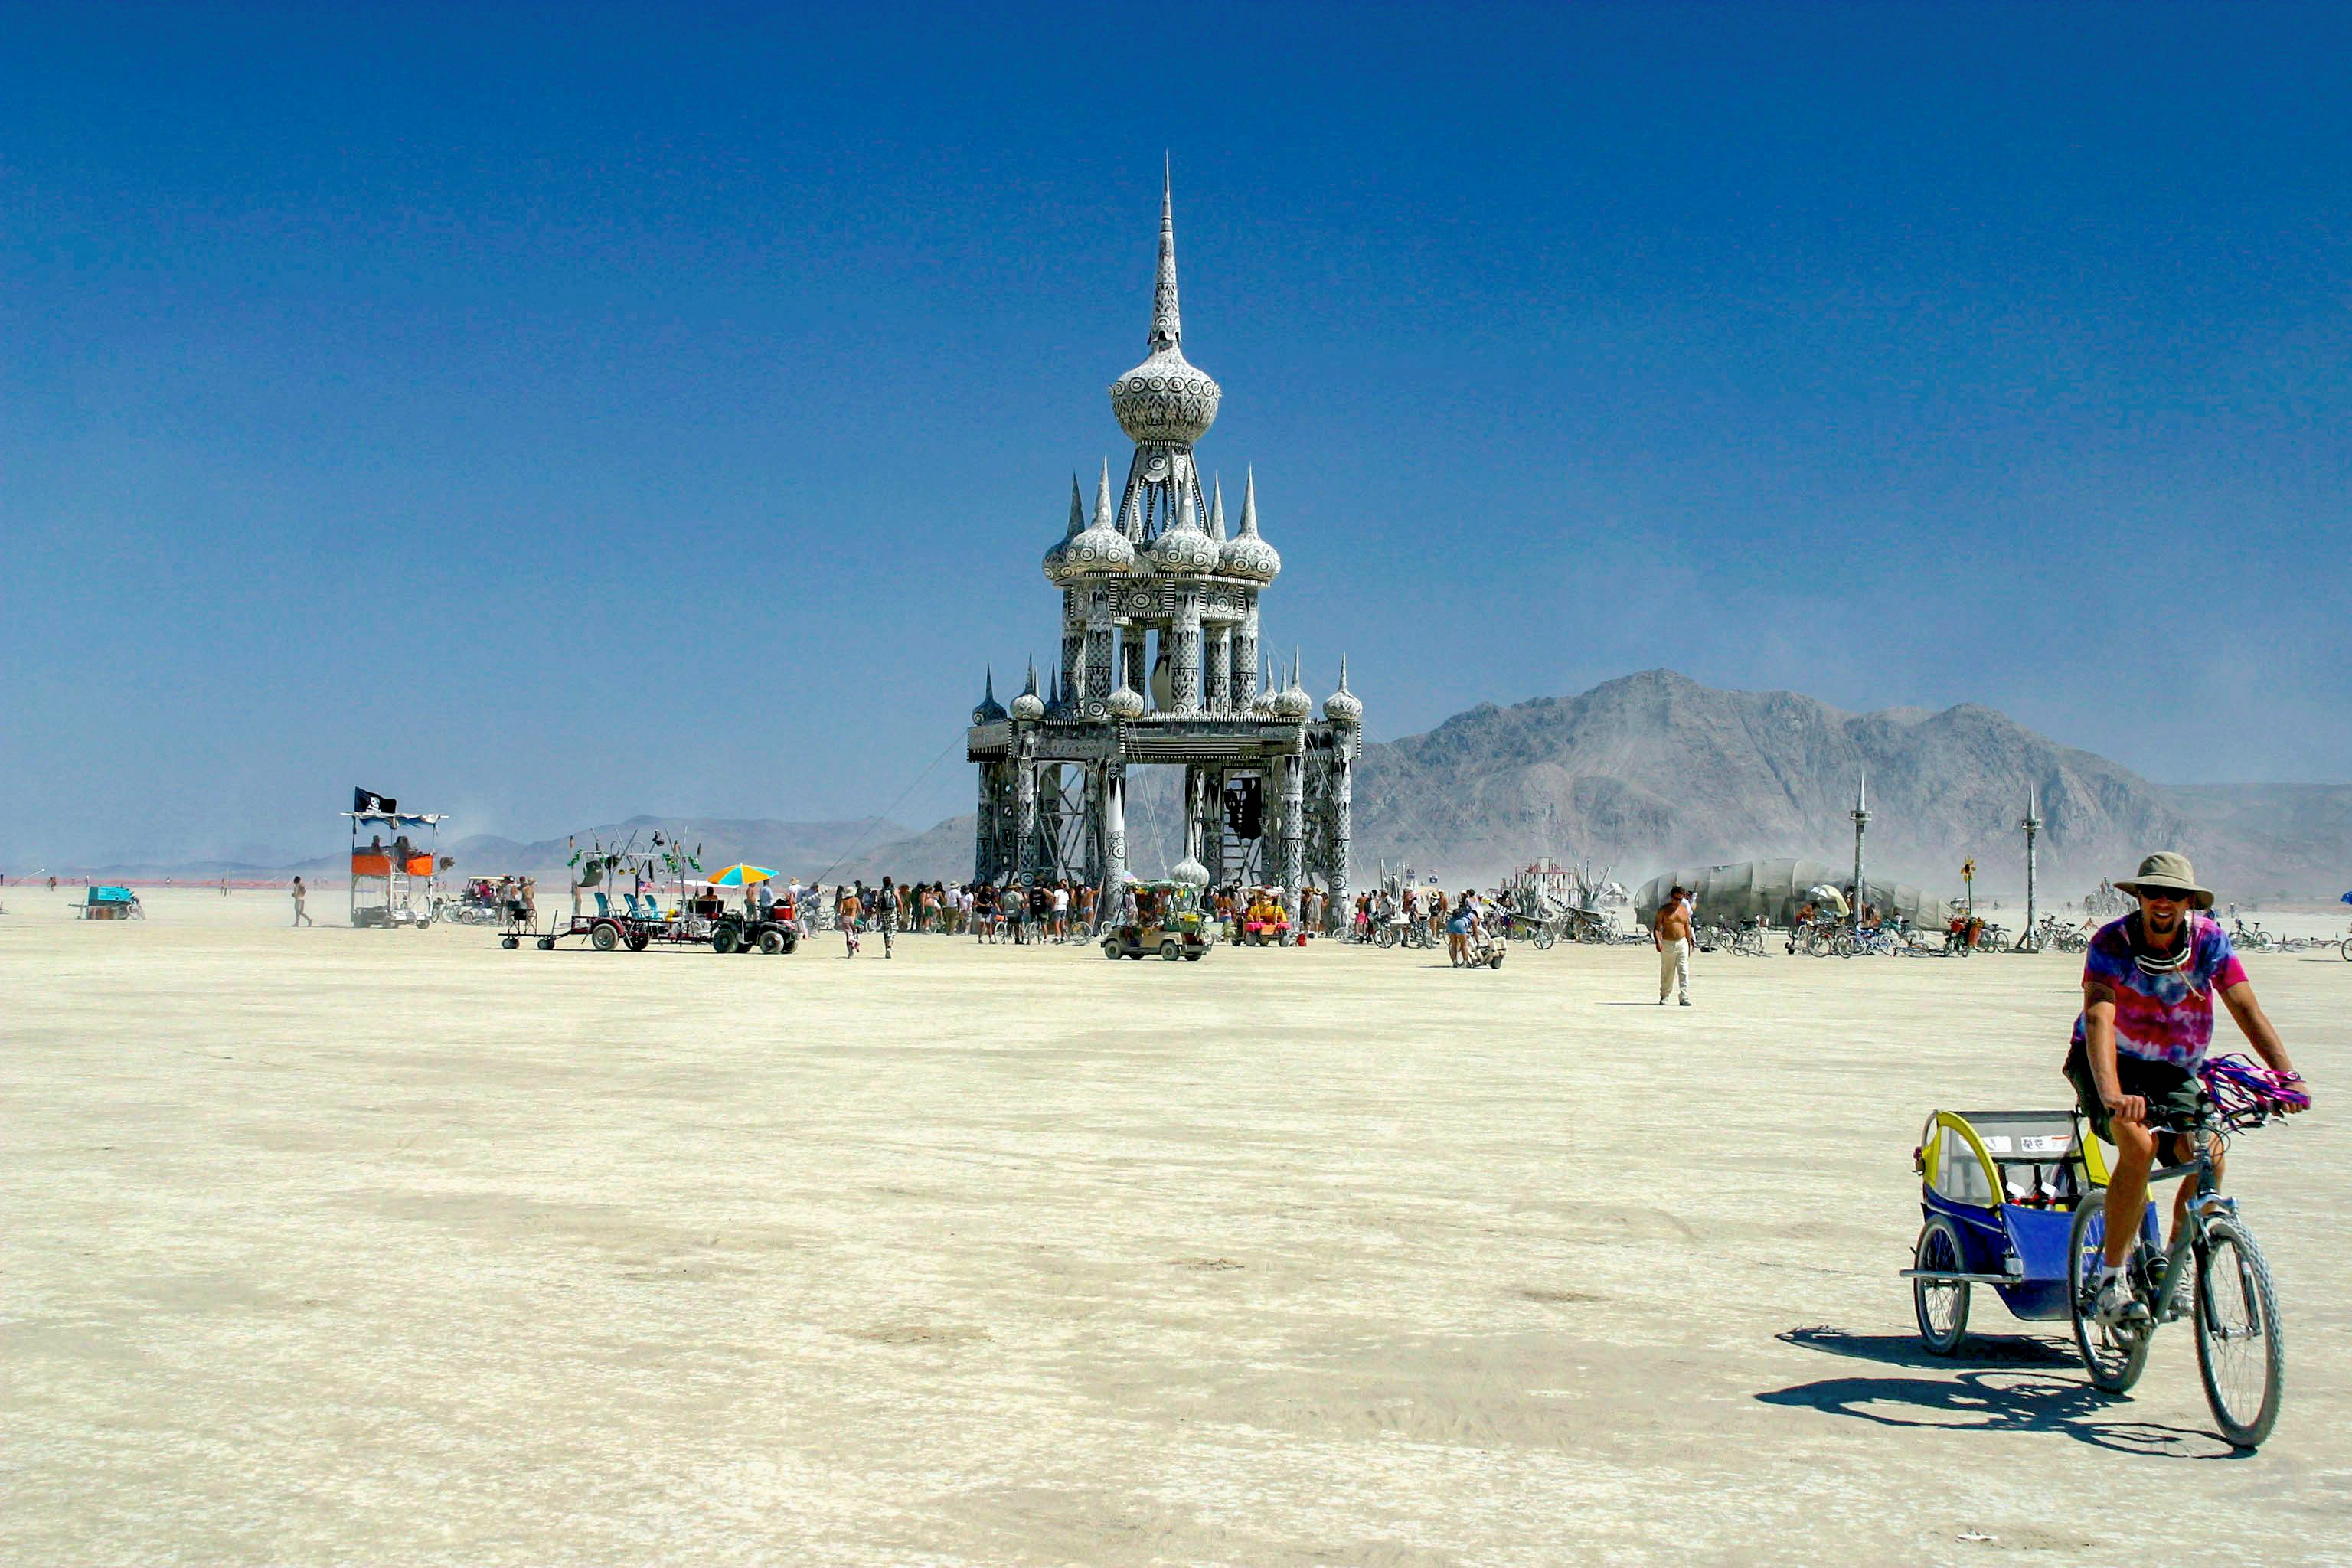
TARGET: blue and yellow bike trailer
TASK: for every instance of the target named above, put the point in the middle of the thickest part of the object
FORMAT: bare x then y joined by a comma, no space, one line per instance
1996,1196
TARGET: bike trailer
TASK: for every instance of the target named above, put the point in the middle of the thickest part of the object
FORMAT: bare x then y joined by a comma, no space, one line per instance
2003,1186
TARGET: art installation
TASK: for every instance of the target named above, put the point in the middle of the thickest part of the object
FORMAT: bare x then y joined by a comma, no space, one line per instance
1159,665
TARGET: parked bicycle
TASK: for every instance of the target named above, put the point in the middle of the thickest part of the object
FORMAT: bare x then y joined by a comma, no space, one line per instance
1746,939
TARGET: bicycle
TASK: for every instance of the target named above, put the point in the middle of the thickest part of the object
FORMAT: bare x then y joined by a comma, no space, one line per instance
2250,937
1852,943
2213,1270
1746,939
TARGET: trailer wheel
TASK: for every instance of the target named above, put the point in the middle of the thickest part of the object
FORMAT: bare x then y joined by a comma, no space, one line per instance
547,944
510,942
637,940
604,938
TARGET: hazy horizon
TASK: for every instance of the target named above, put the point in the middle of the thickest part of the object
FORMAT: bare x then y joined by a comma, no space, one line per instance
552,418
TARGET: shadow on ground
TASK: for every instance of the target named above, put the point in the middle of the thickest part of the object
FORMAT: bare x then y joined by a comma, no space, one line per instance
1991,1386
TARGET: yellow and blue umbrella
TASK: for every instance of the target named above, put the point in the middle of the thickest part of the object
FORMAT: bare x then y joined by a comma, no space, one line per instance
741,876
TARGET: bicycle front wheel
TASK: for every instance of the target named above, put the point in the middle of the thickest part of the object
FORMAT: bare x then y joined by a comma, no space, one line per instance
2240,1353
2115,1355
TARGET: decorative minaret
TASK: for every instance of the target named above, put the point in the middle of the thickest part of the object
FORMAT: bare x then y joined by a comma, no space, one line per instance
1217,640
2032,823
1251,559
1860,814
1158,664
1345,714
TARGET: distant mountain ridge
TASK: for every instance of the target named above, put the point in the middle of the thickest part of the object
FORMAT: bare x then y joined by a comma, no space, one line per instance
1639,773
1655,770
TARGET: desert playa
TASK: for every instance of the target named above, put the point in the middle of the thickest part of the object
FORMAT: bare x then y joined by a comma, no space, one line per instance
333,1245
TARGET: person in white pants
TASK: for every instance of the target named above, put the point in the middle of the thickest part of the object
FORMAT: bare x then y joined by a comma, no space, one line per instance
1670,932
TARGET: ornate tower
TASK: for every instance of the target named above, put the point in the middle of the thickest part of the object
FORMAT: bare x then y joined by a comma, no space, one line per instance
1160,650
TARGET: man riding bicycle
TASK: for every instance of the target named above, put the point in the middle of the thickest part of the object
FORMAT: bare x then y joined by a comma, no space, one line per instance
2148,983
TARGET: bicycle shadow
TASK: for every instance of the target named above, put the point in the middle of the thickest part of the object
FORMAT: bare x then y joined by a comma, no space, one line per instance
1993,1385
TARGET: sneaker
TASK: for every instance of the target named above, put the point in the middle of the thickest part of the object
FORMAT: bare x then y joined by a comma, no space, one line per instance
2117,1306
1661,1000
1686,1001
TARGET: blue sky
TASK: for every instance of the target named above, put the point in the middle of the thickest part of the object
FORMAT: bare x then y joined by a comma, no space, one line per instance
547,413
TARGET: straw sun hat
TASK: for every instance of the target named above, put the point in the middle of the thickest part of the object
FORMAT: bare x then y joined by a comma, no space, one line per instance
2166,872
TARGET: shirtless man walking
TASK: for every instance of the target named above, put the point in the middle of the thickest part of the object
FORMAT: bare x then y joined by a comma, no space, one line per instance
1669,933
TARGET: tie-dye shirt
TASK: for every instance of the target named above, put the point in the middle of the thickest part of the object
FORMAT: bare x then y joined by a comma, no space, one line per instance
2163,1018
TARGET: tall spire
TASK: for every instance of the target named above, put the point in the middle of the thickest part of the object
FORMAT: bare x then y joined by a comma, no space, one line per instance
1102,498
1166,321
1217,510
1077,511
1862,789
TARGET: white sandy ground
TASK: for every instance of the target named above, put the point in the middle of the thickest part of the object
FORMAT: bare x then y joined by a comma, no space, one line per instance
333,1246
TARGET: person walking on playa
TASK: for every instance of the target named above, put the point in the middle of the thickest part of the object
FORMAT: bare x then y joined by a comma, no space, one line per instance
886,913
845,911
301,894
1670,932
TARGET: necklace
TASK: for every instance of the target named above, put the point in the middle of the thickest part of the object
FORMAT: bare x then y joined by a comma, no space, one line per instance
2158,964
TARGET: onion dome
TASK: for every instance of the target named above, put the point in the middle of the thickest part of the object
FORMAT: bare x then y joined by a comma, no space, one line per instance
1342,707
990,710
1184,551
1292,701
1189,871
1261,705
1125,703
1099,549
1056,559
1029,707
1165,399
1246,555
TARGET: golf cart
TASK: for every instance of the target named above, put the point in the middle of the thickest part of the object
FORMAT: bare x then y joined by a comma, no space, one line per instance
746,929
1167,922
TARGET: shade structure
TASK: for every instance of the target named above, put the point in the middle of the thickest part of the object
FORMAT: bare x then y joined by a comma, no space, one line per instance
1772,890
741,876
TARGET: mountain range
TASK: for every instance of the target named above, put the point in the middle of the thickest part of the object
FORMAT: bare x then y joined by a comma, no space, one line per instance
1639,773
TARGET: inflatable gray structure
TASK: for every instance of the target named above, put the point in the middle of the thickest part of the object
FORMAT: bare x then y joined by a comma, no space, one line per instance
1772,890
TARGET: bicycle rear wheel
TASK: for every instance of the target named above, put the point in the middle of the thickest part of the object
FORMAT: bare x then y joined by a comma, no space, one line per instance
2114,1356
1940,1305
2241,1353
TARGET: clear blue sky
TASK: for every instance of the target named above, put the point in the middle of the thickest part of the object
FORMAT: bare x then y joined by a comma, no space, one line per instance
549,414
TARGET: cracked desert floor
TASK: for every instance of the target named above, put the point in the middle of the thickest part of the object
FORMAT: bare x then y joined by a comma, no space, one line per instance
329,1246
